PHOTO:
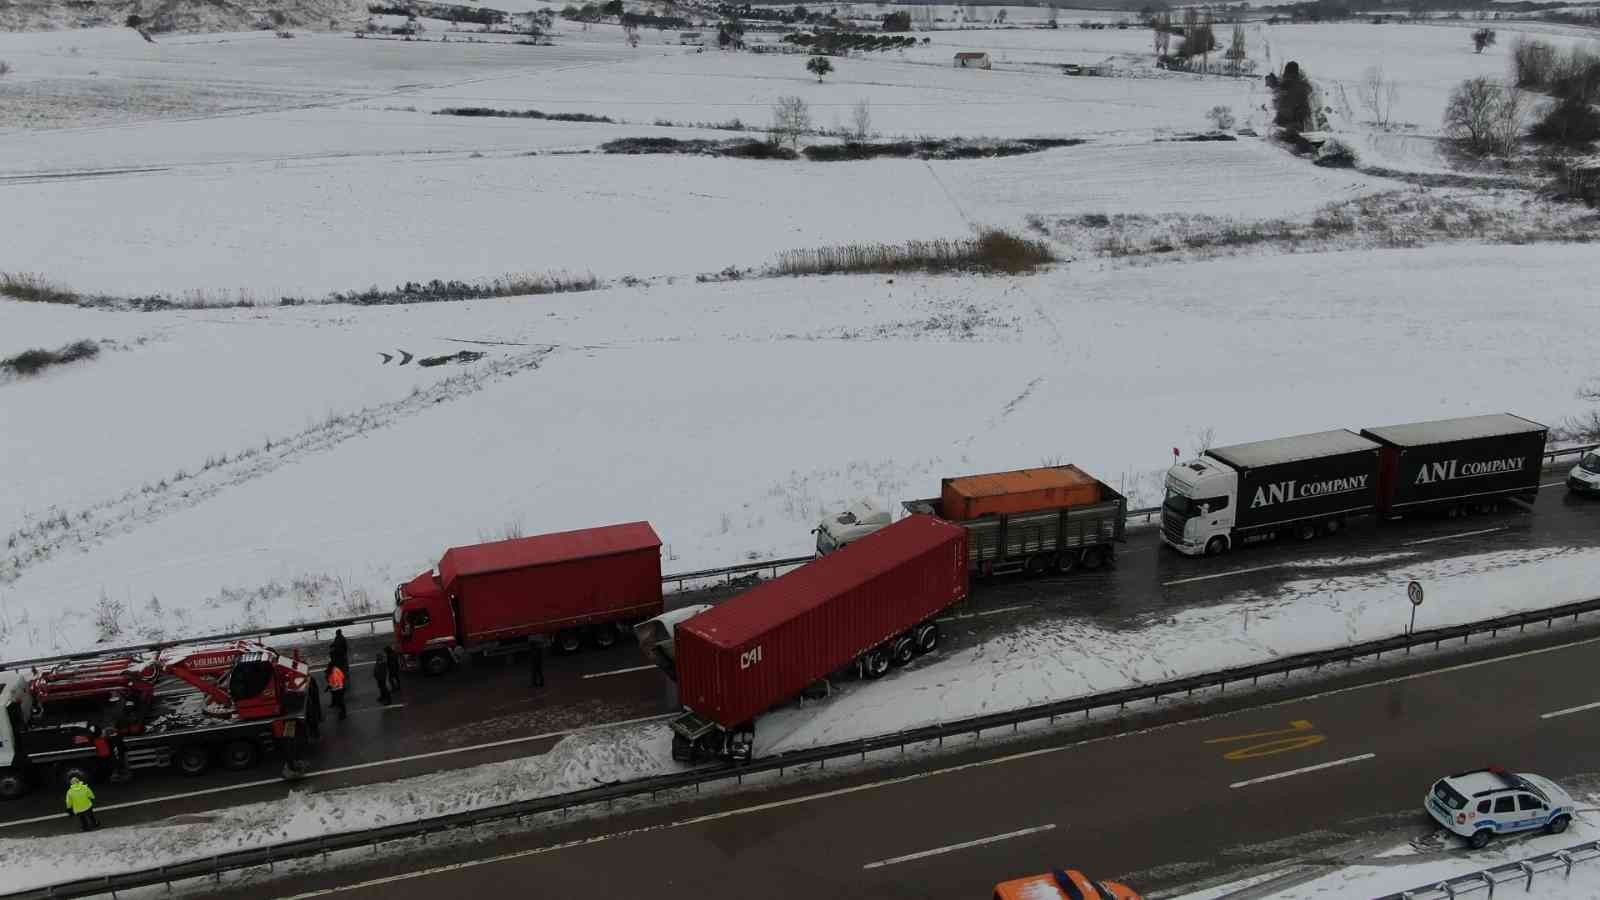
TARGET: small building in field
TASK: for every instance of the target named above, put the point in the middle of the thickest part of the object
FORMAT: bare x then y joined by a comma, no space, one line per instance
691,38
972,59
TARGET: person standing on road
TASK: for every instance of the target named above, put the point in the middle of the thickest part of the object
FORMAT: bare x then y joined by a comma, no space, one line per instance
339,653
80,803
535,663
391,660
336,688
380,674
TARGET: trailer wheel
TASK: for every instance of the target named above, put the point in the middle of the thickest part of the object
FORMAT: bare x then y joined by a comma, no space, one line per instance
905,650
12,785
1332,527
240,755
1066,561
569,641
1093,558
437,662
605,636
876,663
1216,546
1305,531
1038,564
927,637
193,759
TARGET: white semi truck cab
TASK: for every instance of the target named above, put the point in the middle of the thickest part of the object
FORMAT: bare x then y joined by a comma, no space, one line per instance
861,518
1198,512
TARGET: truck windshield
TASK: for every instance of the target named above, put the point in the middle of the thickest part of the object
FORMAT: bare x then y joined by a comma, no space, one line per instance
1590,462
1179,505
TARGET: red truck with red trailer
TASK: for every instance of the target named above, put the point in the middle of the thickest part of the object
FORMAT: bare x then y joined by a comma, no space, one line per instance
867,607
492,598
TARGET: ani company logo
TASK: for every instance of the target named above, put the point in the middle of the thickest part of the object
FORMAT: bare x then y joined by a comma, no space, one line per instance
1290,491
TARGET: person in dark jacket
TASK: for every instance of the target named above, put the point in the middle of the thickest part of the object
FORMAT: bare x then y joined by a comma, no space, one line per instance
380,674
535,664
391,661
339,653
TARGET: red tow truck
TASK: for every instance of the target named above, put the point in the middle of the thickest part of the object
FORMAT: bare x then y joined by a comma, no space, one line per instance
184,707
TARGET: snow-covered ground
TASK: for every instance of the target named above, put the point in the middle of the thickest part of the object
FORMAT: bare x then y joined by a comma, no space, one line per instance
232,457
579,761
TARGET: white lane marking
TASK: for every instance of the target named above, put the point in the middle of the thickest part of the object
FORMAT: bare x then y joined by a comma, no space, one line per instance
600,838
374,708
1552,484
1447,537
618,671
1570,710
318,773
964,845
1304,769
987,612
1225,574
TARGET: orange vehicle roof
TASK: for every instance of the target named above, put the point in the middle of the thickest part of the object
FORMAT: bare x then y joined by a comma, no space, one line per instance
1020,481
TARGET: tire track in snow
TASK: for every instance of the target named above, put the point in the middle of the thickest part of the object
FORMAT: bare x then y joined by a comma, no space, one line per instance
60,529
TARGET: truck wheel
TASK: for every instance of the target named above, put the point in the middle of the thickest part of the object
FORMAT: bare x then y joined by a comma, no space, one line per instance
1066,561
193,759
437,662
1216,546
1093,558
1305,531
240,755
876,664
12,785
604,636
927,637
905,650
1332,527
682,750
569,641
1480,839
1038,564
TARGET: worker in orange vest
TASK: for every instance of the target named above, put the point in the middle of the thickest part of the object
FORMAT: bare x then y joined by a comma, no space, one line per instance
336,688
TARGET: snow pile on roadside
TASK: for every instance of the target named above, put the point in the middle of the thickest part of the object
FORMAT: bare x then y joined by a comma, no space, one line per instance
1404,867
579,761
1057,661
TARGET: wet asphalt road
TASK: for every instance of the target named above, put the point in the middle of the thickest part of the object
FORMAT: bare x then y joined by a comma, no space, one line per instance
1337,775
487,712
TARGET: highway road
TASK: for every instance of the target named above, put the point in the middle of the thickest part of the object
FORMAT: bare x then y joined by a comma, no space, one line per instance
1334,774
487,712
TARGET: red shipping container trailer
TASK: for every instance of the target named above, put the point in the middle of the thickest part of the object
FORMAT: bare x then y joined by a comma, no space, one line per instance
872,603
570,584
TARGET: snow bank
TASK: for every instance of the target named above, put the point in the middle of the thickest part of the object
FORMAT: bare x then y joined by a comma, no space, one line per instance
1067,659
579,761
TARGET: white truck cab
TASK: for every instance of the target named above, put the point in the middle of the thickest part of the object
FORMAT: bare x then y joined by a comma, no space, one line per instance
1198,513
862,517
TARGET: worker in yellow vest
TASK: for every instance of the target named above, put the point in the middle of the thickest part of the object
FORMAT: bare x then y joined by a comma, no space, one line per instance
80,803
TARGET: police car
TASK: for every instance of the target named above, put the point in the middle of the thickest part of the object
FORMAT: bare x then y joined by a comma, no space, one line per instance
1480,804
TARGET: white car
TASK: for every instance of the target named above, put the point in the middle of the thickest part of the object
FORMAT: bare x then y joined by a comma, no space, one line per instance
1481,804
1585,476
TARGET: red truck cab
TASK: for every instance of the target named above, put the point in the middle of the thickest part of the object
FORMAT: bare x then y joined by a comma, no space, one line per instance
423,622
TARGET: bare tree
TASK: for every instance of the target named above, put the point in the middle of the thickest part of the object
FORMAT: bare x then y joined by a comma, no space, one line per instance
1378,93
1162,26
1484,116
5,67
791,119
861,120
1236,50
631,35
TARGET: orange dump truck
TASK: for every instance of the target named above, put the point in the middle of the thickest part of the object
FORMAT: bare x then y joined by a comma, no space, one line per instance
1055,518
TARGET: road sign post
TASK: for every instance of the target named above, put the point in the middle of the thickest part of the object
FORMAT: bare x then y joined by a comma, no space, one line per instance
1414,593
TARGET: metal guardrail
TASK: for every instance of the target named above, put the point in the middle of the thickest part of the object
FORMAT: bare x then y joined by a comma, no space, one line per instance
366,619
268,856
1520,872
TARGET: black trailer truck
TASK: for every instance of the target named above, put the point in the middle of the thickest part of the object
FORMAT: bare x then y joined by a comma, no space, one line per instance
1457,466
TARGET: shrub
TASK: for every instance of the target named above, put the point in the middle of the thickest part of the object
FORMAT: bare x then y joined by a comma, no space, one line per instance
487,112
993,250
34,289
5,68
1335,153
1292,100
1221,117
1533,62
1570,121
31,362
1483,37
1484,116
819,66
